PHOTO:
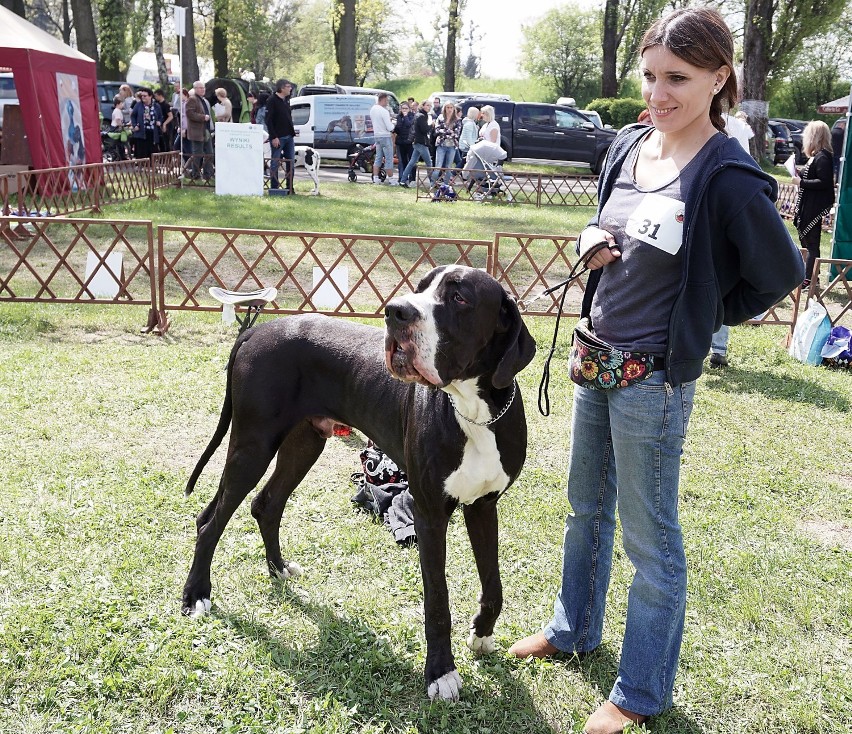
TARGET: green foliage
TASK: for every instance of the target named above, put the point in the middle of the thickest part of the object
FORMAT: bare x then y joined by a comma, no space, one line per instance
562,50
114,57
617,112
377,41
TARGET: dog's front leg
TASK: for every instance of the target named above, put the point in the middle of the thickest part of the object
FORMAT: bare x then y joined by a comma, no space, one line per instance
442,680
481,521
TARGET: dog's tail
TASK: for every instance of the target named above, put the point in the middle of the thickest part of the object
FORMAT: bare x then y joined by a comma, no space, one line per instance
221,428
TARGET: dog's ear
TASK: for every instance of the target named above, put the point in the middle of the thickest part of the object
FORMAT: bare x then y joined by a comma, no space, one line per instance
520,346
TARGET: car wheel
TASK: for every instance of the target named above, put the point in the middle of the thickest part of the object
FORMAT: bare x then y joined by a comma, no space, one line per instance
597,165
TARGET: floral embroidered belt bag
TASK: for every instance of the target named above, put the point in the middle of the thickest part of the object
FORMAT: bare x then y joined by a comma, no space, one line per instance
597,365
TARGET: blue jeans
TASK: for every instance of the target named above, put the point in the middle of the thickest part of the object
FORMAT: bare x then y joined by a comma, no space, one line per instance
639,429
719,344
445,158
286,149
421,152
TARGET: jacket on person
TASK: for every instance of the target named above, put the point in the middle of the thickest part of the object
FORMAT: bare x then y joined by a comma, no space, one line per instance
404,129
817,190
422,128
279,118
137,119
738,258
448,134
197,127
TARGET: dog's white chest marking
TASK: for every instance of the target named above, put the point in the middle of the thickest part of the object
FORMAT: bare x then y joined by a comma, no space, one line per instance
480,472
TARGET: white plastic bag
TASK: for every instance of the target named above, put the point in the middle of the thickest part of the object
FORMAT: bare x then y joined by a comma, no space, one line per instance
812,330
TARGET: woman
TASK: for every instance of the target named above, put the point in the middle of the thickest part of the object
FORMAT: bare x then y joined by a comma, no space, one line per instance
145,120
223,107
692,239
447,132
470,131
490,131
404,132
816,191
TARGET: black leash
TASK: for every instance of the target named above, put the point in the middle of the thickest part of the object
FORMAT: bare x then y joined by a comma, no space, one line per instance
543,397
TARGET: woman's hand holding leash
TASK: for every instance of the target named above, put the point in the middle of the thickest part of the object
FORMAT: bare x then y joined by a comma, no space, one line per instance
590,238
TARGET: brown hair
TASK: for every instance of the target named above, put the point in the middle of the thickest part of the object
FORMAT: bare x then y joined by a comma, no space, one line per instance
699,36
816,137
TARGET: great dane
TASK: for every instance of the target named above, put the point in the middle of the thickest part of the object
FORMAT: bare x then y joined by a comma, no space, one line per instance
435,390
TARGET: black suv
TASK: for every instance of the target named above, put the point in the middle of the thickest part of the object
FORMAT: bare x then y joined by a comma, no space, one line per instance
784,147
796,128
548,132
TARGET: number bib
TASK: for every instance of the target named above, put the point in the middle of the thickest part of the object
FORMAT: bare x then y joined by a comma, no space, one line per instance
658,221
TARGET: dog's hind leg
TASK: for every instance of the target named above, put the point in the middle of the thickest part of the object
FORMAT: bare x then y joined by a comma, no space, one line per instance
481,521
245,465
296,455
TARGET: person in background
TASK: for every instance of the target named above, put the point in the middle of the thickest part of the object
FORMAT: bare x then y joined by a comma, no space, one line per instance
251,100
644,118
447,132
404,132
282,134
421,144
168,118
260,115
690,238
145,121
181,142
816,191
223,108
199,133
838,130
383,128
490,131
737,127
470,131
117,125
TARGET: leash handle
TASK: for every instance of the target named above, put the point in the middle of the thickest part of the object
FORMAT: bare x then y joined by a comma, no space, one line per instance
544,385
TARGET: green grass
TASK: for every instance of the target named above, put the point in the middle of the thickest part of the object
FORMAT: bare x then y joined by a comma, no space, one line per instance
102,426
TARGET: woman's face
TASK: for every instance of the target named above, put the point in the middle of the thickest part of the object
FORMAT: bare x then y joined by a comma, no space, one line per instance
677,93
449,110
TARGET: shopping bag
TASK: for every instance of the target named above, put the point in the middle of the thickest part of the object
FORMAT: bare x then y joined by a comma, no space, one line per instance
811,334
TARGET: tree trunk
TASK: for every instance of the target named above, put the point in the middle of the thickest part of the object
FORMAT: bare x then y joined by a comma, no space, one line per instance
609,80
157,30
452,38
345,37
113,24
84,25
16,6
66,23
189,66
756,50
220,38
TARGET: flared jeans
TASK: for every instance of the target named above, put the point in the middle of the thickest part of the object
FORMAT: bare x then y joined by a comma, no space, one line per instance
626,449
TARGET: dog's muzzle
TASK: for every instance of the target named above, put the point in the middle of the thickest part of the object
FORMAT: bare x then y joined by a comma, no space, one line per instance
402,356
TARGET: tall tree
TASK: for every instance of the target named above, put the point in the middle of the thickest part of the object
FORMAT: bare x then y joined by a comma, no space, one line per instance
189,64
16,6
157,32
84,25
377,40
562,49
624,22
451,57
773,36
220,38
345,38
113,46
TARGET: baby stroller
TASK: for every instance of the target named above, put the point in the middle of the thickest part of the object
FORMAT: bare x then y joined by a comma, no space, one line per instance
114,144
483,171
363,156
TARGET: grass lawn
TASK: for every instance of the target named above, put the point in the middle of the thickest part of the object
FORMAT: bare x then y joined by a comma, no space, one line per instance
103,425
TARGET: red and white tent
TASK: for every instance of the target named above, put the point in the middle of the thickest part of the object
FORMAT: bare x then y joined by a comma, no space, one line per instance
836,107
57,90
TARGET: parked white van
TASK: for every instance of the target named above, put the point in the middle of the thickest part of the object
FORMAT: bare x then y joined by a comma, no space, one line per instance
333,124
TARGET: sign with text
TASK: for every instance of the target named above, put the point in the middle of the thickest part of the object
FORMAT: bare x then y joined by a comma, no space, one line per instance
239,159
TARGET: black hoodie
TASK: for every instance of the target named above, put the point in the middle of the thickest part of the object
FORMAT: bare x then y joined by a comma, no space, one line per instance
738,257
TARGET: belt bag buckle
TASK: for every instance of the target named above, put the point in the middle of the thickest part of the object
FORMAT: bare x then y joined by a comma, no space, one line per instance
597,365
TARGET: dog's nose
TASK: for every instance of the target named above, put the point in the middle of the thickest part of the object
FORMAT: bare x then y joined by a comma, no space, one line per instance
400,312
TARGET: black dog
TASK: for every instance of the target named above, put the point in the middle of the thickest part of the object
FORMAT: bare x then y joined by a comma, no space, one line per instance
436,390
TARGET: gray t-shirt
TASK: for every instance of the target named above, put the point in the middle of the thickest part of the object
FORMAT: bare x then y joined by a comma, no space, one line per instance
632,304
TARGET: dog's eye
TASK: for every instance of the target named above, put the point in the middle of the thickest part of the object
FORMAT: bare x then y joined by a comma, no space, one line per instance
459,298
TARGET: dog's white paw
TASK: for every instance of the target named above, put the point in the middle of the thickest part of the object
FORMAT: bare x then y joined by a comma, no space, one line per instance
481,645
291,570
447,687
202,607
